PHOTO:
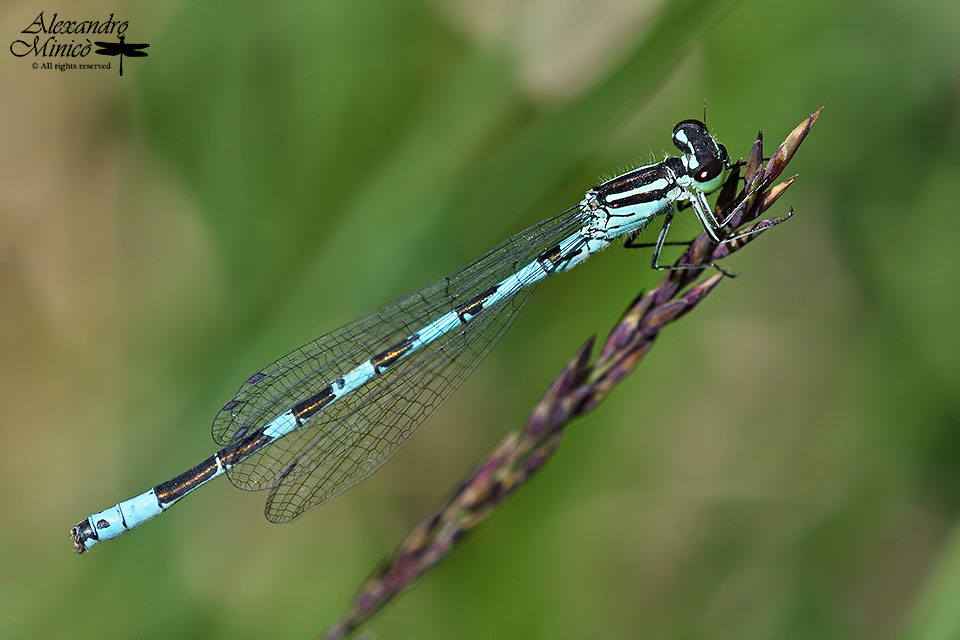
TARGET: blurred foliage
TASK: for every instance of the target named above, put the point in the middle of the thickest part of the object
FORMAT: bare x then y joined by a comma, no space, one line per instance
272,171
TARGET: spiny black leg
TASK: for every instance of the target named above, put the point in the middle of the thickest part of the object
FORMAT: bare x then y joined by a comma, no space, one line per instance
658,247
702,265
740,206
704,213
655,261
763,225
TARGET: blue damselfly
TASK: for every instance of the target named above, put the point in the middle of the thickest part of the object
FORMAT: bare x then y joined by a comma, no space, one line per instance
325,416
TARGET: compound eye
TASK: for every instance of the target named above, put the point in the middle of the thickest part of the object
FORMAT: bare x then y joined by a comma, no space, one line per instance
684,133
710,175
710,170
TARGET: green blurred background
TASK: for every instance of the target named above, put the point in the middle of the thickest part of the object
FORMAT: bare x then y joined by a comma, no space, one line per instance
783,464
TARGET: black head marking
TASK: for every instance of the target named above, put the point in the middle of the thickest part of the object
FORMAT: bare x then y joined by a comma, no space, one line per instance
689,135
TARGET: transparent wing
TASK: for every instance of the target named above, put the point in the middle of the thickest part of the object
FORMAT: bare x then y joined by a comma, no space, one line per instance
300,374
355,444
281,384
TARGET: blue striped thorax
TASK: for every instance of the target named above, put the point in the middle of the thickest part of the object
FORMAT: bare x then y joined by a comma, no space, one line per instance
627,203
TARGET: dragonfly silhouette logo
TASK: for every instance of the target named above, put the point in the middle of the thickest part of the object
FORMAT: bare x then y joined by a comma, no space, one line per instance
121,49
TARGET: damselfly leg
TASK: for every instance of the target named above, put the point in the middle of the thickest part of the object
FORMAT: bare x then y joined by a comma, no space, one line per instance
714,228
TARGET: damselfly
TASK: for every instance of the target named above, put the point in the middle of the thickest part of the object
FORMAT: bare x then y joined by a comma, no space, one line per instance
327,415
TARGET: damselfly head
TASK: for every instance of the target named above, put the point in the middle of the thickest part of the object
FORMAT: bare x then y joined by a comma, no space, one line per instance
705,158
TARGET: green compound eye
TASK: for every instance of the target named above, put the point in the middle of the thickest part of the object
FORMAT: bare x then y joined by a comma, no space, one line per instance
710,176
